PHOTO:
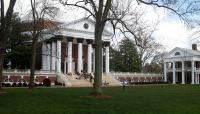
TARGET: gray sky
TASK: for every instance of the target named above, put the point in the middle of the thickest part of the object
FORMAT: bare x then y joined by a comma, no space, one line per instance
170,32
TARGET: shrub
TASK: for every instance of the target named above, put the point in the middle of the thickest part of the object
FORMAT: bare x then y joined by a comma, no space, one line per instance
47,82
14,85
40,84
25,84
7,84
19,84
36,85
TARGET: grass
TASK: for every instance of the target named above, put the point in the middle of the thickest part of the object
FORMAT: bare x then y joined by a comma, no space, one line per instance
165,99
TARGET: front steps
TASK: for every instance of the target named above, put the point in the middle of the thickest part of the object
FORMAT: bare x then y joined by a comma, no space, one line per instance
111,80
73,81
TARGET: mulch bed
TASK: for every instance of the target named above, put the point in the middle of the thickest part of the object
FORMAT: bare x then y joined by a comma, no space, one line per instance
97,96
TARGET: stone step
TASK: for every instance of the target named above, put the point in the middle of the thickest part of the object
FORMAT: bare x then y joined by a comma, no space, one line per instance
109,79
75,82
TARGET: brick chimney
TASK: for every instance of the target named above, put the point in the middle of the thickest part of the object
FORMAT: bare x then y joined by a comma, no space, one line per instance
194,46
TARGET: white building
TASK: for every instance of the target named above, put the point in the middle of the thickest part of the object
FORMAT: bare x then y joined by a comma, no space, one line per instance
182,65
68,47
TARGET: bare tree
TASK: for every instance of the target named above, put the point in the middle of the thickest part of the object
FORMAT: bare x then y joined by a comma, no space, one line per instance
137,28
4,32
147,46
101,11
114,11
39,11
142,32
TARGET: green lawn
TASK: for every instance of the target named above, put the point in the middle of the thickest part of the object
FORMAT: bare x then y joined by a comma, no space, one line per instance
166,99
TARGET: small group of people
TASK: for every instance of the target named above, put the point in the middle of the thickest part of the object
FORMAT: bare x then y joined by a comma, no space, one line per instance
85,76
105,83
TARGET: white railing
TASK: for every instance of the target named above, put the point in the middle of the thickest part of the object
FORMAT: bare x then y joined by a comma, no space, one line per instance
27,71
185,68
131,74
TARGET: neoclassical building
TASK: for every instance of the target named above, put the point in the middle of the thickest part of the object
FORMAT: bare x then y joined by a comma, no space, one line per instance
63,48
68,47
182,65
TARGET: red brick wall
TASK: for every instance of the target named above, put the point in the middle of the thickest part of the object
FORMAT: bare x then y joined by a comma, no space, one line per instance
16,77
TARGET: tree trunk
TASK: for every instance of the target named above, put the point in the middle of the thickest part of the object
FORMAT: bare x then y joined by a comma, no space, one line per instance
4,32
33,60
1,69
98,60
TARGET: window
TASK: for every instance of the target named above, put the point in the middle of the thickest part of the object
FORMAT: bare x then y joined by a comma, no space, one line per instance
8,80
86,26
21,81
177,53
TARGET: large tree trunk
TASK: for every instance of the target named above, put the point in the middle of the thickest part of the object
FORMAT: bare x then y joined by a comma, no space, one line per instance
1,69
33,60
98,60
4,31
2,51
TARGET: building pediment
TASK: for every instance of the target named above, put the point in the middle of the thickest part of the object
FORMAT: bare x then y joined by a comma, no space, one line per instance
82,28
181,52
84,25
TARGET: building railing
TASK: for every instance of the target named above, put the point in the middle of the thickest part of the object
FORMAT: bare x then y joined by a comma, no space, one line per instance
185,68
131,74
27,71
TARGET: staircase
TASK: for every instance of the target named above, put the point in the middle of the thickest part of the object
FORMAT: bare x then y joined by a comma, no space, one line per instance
111,80
75,82
61,78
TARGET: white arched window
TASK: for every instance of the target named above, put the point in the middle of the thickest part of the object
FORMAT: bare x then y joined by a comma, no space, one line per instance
177,53
8,80
36,81
22,81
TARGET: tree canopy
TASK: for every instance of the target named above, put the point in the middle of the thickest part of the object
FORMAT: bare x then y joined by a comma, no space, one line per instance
126,58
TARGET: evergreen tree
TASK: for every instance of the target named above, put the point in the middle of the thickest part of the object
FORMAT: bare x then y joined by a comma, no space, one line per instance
127,58
18,49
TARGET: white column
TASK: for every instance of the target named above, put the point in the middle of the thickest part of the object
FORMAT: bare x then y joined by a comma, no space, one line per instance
102,59
174,73
107,60
53,56
165,72
89,62
183,73
58,54
65,72
48,56
80,55
197,78
44,55
69,58
192,71
93,60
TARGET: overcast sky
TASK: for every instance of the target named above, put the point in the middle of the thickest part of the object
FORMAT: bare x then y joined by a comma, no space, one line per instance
170,32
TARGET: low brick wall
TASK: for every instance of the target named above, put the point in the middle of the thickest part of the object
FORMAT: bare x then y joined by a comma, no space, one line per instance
25,78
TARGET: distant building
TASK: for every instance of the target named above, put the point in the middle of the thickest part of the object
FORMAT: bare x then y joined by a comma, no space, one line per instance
182,65
65,48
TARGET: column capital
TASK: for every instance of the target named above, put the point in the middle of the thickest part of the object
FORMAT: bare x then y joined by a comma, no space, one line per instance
89,41
70,39
106,43
80,40
48,41
58,37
